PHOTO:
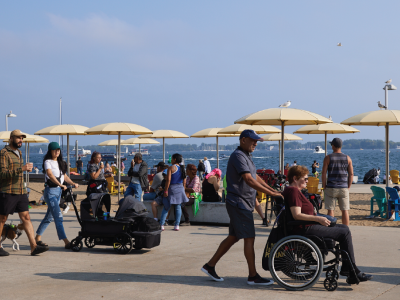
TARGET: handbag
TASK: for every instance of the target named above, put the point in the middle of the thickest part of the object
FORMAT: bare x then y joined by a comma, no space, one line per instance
196,204
330,218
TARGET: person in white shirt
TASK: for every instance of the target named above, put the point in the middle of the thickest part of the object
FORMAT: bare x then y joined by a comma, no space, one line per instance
294,163
207,166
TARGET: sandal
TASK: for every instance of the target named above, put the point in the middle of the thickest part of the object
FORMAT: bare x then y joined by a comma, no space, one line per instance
68,246
38,250
40,243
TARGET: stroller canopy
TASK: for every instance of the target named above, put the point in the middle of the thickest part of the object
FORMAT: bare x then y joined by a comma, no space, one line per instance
129,208
369,176
92,206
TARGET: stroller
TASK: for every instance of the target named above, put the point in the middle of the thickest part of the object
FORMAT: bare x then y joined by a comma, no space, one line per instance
129,229
369,177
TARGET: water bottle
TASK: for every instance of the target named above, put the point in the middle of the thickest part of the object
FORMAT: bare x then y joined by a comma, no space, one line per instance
105,216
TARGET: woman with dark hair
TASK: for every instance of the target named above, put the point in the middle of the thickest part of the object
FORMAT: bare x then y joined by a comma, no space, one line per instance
211,185
95,168
55,169
192,186
303,210
174,192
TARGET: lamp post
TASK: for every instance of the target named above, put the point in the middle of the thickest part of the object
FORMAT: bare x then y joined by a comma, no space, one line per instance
10,115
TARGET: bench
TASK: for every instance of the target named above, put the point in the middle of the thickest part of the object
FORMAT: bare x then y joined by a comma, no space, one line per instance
209,213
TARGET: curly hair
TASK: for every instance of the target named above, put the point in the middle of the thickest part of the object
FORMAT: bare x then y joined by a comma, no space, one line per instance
298,171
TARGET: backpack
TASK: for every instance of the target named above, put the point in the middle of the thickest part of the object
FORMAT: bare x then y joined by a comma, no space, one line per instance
201,167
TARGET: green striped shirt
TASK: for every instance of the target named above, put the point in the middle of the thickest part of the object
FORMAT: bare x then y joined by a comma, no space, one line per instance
11,175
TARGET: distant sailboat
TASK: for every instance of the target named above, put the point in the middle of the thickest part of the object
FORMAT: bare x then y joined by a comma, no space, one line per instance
126,149
40,151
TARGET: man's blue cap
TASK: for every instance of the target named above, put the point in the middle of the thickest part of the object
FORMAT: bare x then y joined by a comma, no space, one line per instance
54,146
250,134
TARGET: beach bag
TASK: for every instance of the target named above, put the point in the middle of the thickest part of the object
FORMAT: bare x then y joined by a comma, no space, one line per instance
275,235
146,225
196,204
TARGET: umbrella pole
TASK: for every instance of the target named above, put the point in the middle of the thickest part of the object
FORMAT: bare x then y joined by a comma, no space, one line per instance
387,164
139,148
282,146
119,167
27,175
326,144
217,155
68,154
163,149
279,150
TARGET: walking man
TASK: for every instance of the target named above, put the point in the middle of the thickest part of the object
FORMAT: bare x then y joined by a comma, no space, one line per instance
79,165
139,180
201,168
207,166
340,176
13,195
242,184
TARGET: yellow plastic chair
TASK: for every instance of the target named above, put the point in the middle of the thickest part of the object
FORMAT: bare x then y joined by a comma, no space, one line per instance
312,186
114,170
73,170
395,176
261,197
112,188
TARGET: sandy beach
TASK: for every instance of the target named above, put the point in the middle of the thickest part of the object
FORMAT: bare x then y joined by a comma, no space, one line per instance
360,207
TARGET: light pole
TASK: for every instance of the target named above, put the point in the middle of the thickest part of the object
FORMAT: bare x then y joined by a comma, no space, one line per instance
10,115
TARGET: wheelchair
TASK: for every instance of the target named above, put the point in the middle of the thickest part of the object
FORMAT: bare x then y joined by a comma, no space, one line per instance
296,262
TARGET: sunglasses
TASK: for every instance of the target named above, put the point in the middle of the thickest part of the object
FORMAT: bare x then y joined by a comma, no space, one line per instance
305,178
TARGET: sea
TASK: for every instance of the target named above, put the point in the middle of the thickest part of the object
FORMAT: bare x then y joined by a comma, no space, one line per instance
363,160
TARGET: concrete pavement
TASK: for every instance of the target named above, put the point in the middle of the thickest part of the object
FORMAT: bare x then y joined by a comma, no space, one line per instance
172,270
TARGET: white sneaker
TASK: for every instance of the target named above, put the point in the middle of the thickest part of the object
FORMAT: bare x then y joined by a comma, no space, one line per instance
176,228
162,227
156,219
66,210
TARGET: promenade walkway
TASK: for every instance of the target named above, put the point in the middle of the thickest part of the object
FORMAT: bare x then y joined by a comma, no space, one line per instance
172,270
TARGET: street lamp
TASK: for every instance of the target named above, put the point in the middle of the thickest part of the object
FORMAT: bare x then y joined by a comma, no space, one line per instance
10,115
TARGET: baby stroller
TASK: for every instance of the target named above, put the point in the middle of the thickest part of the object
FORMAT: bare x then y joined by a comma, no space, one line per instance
369,177
129,229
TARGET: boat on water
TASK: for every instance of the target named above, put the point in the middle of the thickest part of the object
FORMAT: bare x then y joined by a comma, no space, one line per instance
40,151
223,156
319,149
111,156
383,151
144,152
81,152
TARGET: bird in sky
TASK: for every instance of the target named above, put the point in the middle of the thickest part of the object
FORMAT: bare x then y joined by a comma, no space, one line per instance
330,118
380,105
339,44
389,81
286,104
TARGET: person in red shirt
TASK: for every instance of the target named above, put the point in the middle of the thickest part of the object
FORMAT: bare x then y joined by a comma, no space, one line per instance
303,210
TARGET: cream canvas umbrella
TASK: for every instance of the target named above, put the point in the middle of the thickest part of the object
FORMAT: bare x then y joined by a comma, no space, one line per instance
278,137
213,132
327,128
378,118
118,129
65,129
134,141
164,134
260,129
283,117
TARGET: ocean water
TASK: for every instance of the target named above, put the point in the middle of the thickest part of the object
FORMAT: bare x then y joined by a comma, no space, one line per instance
363,160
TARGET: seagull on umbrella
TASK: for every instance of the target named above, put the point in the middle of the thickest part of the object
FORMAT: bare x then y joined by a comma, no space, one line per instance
286,104
380,105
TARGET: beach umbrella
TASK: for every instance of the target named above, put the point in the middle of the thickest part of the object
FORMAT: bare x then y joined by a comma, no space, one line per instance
378,118
277,137
64,129
327,128
164,134
213,132
135,141
260,129
283,116
118,129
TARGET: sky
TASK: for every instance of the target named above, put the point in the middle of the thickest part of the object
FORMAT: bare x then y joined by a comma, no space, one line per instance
191,65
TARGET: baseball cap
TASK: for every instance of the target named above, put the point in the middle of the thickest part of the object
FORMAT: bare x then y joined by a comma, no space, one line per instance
251,134
17,132
336,142
161,164
54,146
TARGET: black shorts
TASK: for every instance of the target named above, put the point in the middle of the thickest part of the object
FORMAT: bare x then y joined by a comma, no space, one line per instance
11,203
241,222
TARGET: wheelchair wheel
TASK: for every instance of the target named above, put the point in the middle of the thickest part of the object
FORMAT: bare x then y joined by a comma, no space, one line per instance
295,263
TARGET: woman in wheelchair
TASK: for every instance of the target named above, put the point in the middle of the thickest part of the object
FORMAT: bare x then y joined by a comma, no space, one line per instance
302,209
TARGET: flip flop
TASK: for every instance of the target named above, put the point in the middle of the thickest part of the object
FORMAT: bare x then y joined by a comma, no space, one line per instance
68,246
38,250
40,243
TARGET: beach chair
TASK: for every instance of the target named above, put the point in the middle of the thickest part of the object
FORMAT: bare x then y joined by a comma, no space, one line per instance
393,203
312,186
380,199
73,170
114,170
112,188
395,176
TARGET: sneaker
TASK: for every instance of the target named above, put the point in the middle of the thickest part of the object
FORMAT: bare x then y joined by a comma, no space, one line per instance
258,280
176,228
156,219
361,277
66,210
3,252
162,227
265,222
210,271
186,223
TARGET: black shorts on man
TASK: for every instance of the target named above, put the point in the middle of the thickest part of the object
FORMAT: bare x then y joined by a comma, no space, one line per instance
11,203
241,222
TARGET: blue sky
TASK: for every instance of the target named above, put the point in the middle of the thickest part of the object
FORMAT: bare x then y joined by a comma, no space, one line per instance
190,65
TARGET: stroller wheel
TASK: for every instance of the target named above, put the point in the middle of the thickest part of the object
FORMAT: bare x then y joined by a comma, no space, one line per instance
89,242
76,245
123,243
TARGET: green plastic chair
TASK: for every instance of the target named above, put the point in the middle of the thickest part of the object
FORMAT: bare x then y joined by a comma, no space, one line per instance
380,199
